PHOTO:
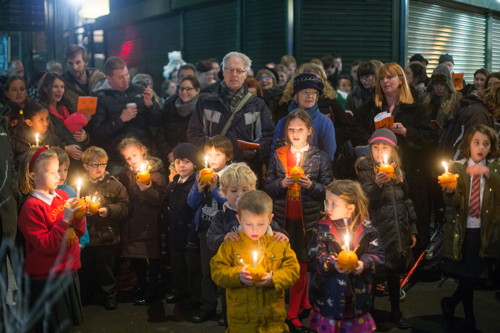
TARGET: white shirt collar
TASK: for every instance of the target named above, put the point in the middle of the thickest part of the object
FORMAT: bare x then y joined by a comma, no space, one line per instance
301,150
45,197
226,206
222,171
471,162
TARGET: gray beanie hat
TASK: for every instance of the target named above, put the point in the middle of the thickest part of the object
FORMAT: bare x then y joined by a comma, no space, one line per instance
446,57
441,75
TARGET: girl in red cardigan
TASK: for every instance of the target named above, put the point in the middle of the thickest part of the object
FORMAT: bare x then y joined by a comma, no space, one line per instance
50,229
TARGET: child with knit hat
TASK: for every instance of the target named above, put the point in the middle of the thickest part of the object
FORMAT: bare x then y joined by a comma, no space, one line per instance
391,212
184,244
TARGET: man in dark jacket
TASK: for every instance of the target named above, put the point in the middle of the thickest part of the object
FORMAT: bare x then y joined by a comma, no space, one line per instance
80,80
123,110
214,110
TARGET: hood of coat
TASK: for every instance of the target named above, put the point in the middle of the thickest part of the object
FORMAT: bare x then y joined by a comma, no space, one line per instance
470,99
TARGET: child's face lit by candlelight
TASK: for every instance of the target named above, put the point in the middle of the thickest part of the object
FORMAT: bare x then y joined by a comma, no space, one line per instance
184,167
63,173
217,160
133,155
380,149
298,133
253,225
337,208
45,176
234,191
480,147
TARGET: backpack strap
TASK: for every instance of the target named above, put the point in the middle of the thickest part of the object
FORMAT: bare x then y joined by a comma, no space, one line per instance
236,110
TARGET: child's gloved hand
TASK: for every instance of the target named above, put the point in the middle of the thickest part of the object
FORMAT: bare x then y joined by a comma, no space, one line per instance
245,277
280,237
232,236
267,281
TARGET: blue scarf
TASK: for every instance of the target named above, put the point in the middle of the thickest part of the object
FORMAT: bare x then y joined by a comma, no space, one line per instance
293,105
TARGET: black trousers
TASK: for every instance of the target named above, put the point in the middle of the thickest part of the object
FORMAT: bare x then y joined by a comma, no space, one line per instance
208,287
186,273
142,268
97,271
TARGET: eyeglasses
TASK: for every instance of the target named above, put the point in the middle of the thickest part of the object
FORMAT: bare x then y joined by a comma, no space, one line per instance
185,88
97,165
235,70
308,93
262,78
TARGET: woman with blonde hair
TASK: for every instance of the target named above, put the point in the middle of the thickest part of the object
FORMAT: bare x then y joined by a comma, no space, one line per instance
327,103
413,129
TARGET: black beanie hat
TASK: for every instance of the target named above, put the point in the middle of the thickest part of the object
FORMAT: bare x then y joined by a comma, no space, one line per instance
204,66
446,57
418,57
186,150
307,81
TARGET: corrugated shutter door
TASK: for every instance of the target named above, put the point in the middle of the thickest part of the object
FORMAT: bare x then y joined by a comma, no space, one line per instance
434,30
355,29
495,59
264,32
209,32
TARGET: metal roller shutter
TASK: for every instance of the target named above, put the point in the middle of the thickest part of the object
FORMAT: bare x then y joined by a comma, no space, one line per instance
355,29
495,59
209,31
434,30
264,32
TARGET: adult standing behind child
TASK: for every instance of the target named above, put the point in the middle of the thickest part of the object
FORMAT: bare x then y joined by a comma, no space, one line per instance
206,199
98,258
342,296
255,303
50,228
298,200
471,230
391,212
141,237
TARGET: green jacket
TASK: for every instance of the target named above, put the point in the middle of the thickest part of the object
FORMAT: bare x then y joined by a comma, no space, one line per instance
457,212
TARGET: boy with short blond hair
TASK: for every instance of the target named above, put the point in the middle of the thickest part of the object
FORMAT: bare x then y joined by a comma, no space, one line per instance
98,257
255,303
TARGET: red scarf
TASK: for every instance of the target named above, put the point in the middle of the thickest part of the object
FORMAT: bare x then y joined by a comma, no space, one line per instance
61,113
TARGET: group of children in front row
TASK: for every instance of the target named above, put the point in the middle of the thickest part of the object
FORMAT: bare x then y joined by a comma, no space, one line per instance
251,243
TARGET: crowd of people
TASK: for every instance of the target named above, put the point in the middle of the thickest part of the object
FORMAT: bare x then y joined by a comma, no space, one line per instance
225,187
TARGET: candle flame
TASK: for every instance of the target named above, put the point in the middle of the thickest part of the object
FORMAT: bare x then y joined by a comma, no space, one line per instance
255,255
445,165
298,158
386,159
346,241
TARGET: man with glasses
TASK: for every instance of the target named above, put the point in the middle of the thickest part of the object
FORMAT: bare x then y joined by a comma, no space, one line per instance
231,111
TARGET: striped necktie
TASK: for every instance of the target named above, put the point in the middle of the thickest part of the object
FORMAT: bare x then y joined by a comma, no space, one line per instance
475,197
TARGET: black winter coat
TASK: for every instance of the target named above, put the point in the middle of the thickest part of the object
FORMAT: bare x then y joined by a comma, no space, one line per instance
180,215
22,139
107,129
392,213
317,167
330,108
113,196
142,231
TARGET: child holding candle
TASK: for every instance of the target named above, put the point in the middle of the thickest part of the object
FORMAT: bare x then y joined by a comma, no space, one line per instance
64,163
207,201
471,232
234,182
391,212
98,258
296,178
141,235
185,266
255,303
24,136
49,227
342,297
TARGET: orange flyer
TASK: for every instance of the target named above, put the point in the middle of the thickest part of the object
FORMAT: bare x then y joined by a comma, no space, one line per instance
383,120
245,145
87,105
458,80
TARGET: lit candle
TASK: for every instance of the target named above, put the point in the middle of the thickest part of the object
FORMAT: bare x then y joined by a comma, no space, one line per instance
37,140
298,159
445,165
346,241
255,255
385,159
386,168
206,161
78,187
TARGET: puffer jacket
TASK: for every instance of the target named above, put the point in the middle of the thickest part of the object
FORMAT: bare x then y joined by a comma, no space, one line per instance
22,138
107,129
317,166
392,213
457,212
113,196
328,286
252,123
142,230
255,309
72,90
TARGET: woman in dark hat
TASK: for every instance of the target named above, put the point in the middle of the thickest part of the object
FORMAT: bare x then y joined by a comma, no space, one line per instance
307,87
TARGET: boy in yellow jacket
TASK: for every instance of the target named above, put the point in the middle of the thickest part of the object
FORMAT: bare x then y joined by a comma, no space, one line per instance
255,270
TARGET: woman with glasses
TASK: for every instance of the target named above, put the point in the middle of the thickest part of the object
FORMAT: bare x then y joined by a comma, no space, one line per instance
269,83
175,118
307,88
